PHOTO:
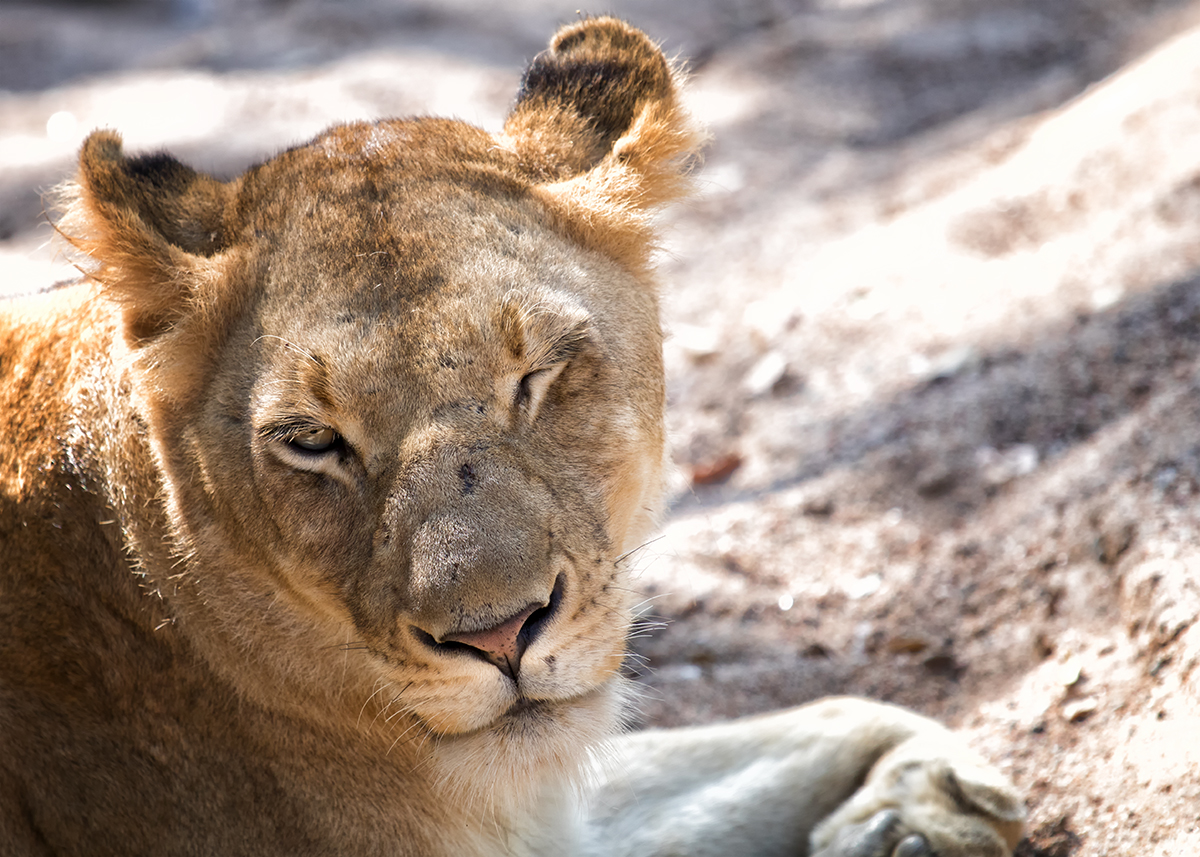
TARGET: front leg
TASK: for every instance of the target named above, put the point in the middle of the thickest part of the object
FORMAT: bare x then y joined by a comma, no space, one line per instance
837,778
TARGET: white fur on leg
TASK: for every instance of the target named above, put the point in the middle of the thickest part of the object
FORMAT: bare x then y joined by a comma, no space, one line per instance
766,785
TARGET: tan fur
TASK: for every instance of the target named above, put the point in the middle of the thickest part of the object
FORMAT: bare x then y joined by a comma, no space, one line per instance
214,641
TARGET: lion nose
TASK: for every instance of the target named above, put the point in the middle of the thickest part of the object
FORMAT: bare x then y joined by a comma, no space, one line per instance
501,645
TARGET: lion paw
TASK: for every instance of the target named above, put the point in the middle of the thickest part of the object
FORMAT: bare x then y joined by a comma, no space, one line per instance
917,802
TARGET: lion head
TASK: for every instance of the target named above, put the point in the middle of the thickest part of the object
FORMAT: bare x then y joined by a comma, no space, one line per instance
401,393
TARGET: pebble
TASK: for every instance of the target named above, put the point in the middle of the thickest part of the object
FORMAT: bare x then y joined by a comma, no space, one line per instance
1070,672
998,468
863,586
1077,710
766,373
696,341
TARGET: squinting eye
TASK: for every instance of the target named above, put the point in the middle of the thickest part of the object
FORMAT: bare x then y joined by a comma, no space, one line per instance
524,390
531,389
315,439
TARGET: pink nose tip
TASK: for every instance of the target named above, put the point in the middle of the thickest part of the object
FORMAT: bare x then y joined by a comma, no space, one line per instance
502,645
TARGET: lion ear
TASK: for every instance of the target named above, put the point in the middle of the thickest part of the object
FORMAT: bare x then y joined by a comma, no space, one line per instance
145,226
599,115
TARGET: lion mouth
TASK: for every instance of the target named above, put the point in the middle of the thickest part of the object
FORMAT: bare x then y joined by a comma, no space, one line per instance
524,707
526,712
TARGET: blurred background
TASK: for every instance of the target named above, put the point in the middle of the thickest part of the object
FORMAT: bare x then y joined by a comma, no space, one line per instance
934,347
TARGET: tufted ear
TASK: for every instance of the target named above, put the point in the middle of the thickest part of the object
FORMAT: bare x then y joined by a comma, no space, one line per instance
145,225
599,119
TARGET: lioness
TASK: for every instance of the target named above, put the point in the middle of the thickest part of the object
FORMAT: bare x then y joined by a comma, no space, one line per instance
312,500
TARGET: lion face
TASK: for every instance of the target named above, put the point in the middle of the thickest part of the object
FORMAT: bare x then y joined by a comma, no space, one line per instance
451,427
404,391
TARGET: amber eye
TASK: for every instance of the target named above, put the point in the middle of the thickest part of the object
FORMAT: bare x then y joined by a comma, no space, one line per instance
320,439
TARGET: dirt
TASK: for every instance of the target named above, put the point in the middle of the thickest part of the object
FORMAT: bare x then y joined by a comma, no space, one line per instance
935,355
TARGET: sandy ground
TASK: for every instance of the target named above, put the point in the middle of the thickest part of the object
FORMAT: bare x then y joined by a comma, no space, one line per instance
936,338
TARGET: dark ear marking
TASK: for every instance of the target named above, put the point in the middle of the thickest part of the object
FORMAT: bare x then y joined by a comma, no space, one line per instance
579,97
604,71
186,208
143,226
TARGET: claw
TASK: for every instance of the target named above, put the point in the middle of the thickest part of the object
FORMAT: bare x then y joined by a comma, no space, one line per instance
877,837
872,838
915,845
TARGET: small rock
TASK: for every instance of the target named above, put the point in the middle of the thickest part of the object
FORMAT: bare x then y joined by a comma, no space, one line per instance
1070,672
944,665
1078,710
936,481
863,586
907,645
816,650
766,373
715,472
952,362
999,468
817,507
696,341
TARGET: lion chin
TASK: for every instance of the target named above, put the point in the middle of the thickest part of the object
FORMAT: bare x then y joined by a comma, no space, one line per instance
506,768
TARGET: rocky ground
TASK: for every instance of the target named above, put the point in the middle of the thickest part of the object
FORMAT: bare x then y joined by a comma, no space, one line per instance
935,363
